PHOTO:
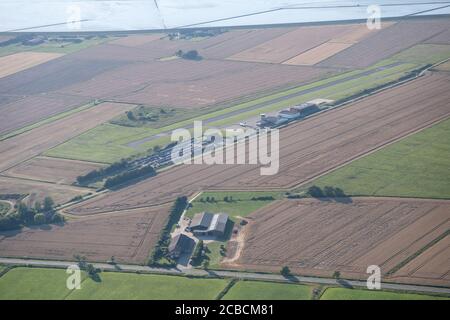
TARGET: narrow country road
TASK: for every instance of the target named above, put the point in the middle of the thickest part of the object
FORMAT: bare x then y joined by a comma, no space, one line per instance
226,274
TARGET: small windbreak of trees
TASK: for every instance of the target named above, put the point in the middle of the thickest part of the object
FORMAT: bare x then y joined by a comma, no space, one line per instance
160,255
99,174
41,213
129,175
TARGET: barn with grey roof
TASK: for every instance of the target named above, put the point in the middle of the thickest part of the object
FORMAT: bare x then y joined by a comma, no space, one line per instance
210,224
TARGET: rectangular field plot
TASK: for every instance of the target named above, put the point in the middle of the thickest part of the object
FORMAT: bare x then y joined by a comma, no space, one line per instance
291,44
37,191
386,42
55,170
43,284
358,294
23,60
256,290
320,237
319,53
129,236
34,142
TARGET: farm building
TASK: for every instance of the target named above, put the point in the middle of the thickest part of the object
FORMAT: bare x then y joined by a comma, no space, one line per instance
210,224
180,244
271,121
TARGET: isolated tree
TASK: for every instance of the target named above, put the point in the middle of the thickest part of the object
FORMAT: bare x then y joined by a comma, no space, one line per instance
285,271
337,275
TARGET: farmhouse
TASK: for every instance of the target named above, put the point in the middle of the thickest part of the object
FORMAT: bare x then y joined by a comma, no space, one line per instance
210,224
180,244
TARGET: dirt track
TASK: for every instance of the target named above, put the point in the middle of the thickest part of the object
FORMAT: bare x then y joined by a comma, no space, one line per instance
128,236
319,237
307,148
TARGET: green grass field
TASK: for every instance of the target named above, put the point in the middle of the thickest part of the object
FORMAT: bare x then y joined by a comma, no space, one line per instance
424,54
256,290
417,166
106,143
241,204
40,283
23,283
358,294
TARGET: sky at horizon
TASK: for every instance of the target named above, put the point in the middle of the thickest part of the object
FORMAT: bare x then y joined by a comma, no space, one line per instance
122,15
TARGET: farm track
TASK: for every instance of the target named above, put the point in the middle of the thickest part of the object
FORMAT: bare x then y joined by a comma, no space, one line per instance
307,149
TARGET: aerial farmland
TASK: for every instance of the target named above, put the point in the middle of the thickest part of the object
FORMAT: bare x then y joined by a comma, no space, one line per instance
363,179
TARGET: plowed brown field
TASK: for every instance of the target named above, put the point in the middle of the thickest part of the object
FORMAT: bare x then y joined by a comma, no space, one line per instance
307,149
387,42
196,83
128,236
292,43
320,237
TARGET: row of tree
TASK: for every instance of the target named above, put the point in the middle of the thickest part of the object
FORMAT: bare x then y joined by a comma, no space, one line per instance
161,249
99,174
129,175
41,213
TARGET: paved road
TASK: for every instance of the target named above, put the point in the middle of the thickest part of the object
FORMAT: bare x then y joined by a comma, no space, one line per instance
227,274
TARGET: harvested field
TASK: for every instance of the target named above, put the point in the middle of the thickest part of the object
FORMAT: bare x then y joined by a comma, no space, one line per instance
441,38
37,191
319,237
292,43
216,47
23,60
60,171
56,74
137,40
444,67
387,42
128,236
197,83
29,110
432,264
32,143
327,141
319,53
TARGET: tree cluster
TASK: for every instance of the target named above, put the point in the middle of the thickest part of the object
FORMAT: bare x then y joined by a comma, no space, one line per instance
41,213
